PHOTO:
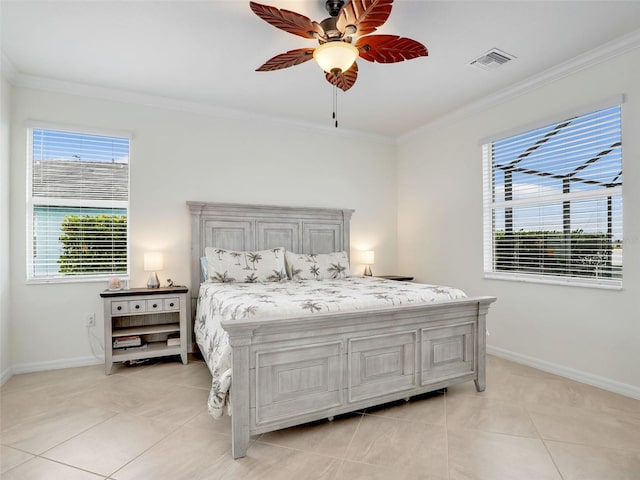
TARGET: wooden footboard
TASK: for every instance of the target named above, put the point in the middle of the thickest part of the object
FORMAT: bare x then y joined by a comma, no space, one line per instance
296,370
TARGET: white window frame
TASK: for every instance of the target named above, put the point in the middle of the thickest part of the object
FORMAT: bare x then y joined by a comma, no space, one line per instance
32,202
489,205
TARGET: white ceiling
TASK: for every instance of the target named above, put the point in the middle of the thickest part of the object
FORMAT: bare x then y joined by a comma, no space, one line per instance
205,53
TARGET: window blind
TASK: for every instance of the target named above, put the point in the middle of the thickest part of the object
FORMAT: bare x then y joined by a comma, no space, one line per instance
553,201
79,200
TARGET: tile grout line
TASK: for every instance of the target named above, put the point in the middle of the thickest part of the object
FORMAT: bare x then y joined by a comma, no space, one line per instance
309,451
41,454
19,464
178,427
346,450
161,381
54,461
546,448
286,447
115,414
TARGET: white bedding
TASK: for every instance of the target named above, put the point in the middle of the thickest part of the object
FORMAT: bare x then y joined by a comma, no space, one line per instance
219,302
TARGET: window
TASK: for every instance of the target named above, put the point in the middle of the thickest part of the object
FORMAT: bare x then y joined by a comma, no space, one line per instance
553,202
78,186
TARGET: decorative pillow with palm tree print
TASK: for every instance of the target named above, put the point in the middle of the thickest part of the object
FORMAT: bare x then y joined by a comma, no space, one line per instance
228,266
319,266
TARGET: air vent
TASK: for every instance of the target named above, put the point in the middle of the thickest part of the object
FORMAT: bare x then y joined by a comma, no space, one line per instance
492,59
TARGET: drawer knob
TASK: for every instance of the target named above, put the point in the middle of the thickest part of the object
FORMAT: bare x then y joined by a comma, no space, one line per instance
155,305
171,304
137,307
119,307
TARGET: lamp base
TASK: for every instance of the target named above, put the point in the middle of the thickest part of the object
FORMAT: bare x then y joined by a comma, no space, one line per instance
367,271
153,281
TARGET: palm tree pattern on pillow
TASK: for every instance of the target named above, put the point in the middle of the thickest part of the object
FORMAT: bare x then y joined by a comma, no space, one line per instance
228,266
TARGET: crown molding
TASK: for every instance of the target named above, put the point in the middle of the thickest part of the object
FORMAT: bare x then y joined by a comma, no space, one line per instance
607,51
19,79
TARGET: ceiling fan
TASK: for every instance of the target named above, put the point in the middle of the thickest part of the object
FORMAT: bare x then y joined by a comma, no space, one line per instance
337,52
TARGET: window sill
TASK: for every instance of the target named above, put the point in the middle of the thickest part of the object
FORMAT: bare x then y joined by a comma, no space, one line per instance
75,279
567,282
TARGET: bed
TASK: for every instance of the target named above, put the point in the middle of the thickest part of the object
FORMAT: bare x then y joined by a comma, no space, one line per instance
291,368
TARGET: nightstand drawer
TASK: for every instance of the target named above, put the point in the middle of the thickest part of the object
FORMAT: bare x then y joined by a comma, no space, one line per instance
172,304
137,306
154,305
132,306
119,308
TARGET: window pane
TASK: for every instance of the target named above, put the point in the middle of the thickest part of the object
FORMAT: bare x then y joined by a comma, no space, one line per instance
556,206
79,241
62,145
574,155
538,243
73,165
79,198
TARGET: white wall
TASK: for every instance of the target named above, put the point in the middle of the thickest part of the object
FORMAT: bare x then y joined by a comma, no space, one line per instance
175,157
587,333
5,253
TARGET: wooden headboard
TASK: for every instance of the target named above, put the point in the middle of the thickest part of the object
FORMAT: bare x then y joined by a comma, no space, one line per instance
261,227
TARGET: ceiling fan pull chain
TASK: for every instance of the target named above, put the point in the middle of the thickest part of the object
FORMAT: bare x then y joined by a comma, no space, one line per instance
335,104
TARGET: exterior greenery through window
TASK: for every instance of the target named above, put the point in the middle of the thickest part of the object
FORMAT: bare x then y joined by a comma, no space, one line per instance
78,205
553,202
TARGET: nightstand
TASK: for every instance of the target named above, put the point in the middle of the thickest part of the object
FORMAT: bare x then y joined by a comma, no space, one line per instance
399,278
155,316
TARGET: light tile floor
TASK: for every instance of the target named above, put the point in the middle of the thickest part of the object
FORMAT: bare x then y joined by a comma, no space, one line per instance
150,422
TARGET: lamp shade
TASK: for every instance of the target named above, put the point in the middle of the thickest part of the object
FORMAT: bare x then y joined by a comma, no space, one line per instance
336,55
368,257
153,261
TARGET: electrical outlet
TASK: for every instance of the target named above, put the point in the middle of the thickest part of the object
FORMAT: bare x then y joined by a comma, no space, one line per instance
91,320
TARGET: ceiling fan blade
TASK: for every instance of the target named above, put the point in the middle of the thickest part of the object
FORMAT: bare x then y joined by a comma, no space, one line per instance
389,48
344,81
287,20
365,15
288,59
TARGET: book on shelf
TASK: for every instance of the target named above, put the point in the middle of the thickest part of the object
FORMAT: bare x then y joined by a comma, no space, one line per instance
129,341
173,342
139,347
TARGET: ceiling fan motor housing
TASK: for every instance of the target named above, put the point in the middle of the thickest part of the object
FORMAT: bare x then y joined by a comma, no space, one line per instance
334,7
331,31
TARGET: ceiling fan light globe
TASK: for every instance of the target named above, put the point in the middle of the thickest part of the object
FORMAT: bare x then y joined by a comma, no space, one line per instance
332,56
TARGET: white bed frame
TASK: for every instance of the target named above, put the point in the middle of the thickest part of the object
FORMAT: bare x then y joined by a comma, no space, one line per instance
296,370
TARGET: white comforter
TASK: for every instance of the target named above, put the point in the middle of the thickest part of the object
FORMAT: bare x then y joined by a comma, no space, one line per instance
235,301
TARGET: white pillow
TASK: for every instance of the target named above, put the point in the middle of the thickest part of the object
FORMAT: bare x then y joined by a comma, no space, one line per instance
226,266
319,266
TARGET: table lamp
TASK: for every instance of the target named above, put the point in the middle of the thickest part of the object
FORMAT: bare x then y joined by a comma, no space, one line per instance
153,262
368,259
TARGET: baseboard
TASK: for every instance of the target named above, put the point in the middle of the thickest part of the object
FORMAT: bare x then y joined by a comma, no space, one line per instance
6,375
55,365
577,375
